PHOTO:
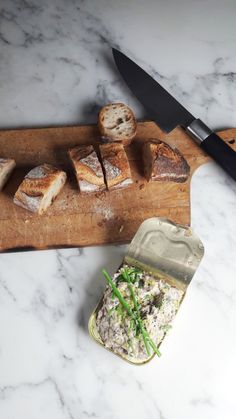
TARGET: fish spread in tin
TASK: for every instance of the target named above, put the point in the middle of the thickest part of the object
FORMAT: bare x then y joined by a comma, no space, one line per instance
157,269
158,302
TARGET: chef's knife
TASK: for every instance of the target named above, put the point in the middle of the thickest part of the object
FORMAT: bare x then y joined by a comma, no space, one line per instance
169,113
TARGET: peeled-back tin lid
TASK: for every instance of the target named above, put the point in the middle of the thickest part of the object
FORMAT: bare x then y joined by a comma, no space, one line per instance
161,246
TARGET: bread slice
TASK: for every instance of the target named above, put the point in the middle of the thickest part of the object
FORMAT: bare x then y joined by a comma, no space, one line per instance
116,165
116,122
87,168
6,168
163,163
39,188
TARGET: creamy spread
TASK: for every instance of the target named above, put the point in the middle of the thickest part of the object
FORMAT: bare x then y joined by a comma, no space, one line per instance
158,302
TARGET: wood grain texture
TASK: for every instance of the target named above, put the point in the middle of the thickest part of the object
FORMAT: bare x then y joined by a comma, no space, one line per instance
106,217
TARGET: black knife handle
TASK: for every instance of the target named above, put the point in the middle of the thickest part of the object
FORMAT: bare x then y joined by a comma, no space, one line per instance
213,145
224,155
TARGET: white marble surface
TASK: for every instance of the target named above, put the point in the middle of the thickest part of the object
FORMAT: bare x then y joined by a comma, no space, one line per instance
56,68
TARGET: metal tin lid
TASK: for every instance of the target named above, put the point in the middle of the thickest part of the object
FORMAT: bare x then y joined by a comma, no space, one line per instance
160,246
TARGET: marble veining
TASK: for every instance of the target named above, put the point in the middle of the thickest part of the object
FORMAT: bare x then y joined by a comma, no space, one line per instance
56,68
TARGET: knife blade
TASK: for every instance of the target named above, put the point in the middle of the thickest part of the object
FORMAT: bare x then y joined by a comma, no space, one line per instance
168,113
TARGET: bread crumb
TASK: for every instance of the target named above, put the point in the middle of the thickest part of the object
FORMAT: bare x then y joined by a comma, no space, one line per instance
105,211
108,213
121,228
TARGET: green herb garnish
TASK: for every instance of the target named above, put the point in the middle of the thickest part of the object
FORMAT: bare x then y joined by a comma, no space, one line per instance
130,276
136,307
110,311
166,327
117,293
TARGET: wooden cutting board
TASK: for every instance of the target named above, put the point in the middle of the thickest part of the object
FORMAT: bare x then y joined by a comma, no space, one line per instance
108,217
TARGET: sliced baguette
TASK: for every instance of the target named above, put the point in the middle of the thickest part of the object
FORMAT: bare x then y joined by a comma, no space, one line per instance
6,168
116,165
39,188
162,163
87,168
116,122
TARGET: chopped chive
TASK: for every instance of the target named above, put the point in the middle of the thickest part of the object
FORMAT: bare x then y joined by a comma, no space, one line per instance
135,316
144,337
166,327
150,341
110,311
118,294
127,278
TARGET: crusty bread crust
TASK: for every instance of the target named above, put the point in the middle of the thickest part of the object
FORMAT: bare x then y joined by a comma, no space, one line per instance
116,165
163,163
116,122
39,188
6,168
87,168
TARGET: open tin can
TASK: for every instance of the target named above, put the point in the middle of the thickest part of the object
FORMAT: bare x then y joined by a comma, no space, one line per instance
167,255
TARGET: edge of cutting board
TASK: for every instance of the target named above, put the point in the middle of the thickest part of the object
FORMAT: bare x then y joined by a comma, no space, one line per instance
109,219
